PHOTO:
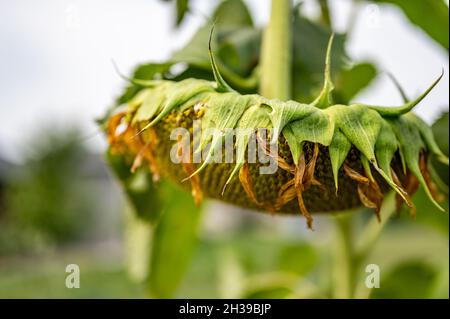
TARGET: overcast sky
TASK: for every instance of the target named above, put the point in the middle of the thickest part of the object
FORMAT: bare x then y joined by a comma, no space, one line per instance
55,57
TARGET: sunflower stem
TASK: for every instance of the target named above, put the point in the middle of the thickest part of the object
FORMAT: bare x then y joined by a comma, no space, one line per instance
373,229
344,276
351,252
368,240
276,54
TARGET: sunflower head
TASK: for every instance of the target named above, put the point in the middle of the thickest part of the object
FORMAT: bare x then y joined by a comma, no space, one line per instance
272,155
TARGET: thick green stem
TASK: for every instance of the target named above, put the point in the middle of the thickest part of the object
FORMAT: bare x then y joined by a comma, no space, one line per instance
368,240
344,272
138,238
351,253
276,52
373,229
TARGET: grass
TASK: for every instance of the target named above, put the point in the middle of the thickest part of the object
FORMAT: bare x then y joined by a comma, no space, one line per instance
45,276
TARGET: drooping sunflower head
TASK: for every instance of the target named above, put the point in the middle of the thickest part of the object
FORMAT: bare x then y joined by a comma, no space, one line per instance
272,155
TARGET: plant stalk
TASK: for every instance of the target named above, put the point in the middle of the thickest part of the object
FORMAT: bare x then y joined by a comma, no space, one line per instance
351,252
276,54
344,272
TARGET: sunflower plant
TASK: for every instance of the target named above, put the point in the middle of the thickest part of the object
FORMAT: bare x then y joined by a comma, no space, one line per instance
235,93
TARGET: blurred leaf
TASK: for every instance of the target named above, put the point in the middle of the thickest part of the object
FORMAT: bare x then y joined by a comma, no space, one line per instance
239,50
139,188
300,259
234,40
429,15
236,49
233,12
174,240
236,44
429,214
269,293
182,8
352,81
440,286
441,132
48,198
409,280
234,34
270,286
310,44
175,224
195,52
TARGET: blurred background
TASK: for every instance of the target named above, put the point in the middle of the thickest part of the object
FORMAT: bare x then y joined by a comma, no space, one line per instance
60,204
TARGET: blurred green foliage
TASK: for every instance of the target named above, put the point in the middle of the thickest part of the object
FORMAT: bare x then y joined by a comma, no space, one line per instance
410,280
47,200
174,220
174,241
49,203
249,266
45,277
138,186
440,130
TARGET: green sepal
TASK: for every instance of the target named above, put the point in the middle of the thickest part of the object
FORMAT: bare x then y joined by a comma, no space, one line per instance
325,98
388,111
339,148
411,144
385,147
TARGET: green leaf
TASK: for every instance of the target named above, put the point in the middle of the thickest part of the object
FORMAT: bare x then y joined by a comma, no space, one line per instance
270,285
138,187
352,81
299,259
310,44
239,50
234,13
182,8
441,129
174,240
429,214
239,46
236,47
175,222
406,130
429,15
269,292
413,279
428,138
